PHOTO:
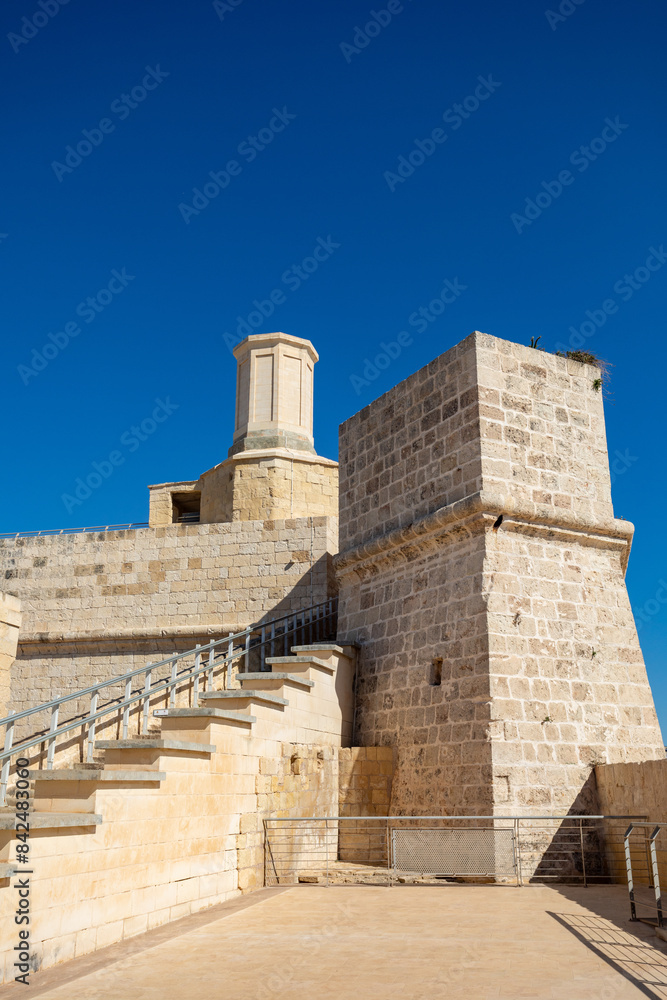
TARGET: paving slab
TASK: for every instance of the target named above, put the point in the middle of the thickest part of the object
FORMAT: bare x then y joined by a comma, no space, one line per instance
408,942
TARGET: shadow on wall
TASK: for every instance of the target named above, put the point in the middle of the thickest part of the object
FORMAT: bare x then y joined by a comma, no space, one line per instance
43,672
572,848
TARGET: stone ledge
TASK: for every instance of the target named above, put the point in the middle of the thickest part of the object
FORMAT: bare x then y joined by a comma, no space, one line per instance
155,744
98,774
265,675
207,632
311,661
223,715
51,821
243,693
480,507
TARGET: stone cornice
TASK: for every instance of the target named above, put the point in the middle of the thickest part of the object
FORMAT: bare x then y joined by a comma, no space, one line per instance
259,454
472,514
206,633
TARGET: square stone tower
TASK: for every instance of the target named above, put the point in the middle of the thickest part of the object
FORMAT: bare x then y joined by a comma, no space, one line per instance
482,570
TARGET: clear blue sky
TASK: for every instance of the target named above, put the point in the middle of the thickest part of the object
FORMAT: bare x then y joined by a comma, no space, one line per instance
317,117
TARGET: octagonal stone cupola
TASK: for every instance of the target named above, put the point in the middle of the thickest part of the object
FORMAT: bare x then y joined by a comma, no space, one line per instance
274,393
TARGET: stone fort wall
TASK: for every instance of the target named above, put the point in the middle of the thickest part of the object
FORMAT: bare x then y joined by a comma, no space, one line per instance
482,570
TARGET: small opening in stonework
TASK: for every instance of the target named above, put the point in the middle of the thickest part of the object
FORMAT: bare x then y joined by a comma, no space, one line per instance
497,522
436,671
185,508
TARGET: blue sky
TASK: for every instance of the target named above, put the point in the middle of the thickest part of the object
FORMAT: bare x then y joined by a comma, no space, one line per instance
318,119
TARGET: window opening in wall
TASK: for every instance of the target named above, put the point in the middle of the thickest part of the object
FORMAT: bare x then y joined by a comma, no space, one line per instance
436,671
185,508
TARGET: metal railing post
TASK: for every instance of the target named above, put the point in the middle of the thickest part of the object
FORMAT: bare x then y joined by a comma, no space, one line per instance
126,710
209,672
52,739
656,875
517,825
195,679
262,651
92,725
273,638
172,684
326,841
583,854
146,706
230,660
4,775
246,655
628,869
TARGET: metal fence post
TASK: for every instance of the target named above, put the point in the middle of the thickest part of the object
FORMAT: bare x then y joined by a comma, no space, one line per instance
628,868
126,709
209,678
583,853
517,829
91,728
52,739
656,875
230,659
195,679
146,699
326,842
4,778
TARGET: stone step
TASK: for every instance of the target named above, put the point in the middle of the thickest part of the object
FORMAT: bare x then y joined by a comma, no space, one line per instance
51,820
301,663
327,649
227,698
99,774
272,680
210,712
180,746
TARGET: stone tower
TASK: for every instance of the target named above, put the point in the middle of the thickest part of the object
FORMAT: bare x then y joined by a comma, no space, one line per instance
272,471
482,570
274,393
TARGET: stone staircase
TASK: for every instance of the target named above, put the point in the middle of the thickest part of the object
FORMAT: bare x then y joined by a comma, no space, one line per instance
183,804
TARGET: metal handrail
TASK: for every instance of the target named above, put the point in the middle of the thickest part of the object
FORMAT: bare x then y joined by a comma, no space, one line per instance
312,620
655,873
291,855
72,531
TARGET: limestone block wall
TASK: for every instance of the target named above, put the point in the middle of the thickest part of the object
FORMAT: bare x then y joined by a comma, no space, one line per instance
506,585
412,451
267,485
10,622
634,789
423,682
97,605
160,504
187,839
365,776
568,682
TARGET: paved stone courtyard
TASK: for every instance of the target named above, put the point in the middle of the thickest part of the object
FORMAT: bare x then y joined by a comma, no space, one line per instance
408,942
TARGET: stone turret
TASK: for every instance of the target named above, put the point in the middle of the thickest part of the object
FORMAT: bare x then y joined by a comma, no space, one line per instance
274,393
272,471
